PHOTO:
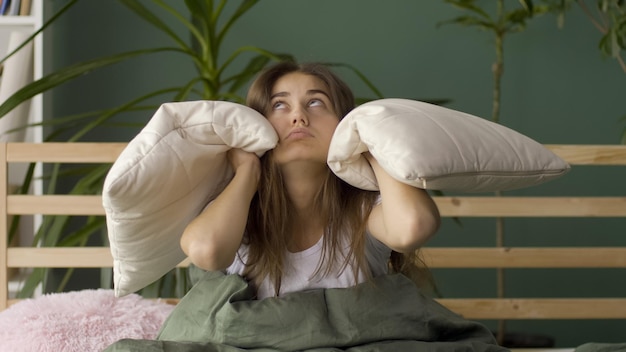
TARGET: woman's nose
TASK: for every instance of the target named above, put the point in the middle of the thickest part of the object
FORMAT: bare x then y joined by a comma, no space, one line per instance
299,117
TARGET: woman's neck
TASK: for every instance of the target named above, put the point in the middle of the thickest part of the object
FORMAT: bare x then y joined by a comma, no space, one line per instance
303,185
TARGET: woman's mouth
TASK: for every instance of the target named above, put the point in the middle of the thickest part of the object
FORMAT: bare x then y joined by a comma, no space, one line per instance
299,133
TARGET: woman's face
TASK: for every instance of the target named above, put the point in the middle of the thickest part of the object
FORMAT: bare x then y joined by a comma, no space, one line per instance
302,114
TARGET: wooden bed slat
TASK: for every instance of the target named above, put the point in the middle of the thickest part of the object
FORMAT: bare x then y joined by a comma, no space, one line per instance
532,206
471,258
108,152
464,206
59,257
541,257
64,152
62,257
586,154
448,206
55,205
537,308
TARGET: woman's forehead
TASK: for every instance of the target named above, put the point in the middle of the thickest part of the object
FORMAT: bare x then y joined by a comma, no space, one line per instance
298,82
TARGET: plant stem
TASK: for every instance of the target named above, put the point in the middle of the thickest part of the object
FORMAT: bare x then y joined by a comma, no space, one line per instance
500,275
498,68
498,71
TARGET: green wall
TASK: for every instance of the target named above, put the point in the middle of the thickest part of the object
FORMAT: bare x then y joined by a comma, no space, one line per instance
557,88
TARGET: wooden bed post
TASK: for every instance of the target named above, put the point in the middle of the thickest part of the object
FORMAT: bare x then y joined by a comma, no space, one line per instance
4,238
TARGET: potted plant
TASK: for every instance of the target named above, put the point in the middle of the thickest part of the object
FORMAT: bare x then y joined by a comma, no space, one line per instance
207,24
609,18
500,22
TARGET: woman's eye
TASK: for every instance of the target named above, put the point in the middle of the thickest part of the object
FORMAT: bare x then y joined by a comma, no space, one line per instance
316,102
278,105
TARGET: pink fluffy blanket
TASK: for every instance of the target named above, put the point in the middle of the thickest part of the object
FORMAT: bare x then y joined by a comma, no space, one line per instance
81,321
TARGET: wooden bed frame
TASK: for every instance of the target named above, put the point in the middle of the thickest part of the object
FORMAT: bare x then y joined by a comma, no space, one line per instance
470,206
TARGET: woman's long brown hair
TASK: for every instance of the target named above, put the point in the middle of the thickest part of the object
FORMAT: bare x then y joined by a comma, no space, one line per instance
344,206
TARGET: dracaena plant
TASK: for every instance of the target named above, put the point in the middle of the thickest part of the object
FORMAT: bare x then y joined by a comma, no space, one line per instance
500,19
207,23
609,18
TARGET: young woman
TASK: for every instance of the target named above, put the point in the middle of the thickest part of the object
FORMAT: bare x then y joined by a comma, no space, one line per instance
285,222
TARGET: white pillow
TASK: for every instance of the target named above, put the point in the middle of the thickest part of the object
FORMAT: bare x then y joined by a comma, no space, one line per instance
165,176
433,147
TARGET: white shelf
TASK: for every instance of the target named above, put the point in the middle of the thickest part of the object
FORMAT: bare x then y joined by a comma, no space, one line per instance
27,25
17,20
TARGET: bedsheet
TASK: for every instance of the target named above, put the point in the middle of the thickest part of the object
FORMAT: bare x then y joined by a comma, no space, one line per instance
387,314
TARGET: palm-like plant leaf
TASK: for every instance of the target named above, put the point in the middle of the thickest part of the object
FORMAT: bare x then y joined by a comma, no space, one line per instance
66,74
208,25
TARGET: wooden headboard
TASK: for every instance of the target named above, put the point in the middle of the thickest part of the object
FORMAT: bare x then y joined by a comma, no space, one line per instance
470,206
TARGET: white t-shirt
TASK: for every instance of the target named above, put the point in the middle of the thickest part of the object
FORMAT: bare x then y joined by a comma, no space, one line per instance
301,266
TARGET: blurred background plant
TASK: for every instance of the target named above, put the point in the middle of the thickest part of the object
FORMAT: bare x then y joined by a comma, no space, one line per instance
220,75
502,18
609,17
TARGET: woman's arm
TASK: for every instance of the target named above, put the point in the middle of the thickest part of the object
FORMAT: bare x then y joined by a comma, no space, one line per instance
406,217
212,239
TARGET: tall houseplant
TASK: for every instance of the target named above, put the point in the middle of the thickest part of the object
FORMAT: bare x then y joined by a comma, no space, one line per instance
207,23
500,21
609,18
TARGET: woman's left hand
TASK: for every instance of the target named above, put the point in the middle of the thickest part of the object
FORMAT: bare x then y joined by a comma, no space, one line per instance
406,216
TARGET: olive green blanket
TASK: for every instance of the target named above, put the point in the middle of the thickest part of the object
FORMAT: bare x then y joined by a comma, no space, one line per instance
388,314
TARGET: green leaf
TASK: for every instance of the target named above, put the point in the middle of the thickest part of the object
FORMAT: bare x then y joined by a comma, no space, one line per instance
615,45
518,16
186,89
604,44
63,75
72,121
528,6
361,76
31,283
244,7
44,26
469,5
201,19
620,32
255,65
190,27
78,237
470,21
143,12
113,112
260,52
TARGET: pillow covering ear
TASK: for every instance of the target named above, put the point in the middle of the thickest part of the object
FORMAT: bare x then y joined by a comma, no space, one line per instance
165,177
433,147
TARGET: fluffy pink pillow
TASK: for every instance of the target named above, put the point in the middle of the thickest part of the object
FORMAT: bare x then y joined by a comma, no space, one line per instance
81,321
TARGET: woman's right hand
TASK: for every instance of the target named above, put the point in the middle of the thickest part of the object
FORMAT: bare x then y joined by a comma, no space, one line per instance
240,159
212,239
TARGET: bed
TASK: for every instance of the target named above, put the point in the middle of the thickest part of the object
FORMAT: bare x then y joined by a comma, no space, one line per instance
108,319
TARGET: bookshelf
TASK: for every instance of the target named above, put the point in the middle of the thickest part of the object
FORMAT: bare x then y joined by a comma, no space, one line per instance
13,30
24,67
